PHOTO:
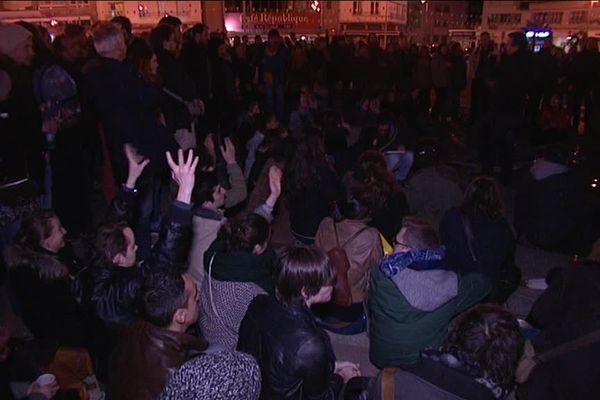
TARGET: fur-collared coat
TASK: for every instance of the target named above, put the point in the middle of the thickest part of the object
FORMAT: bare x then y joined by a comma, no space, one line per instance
41,287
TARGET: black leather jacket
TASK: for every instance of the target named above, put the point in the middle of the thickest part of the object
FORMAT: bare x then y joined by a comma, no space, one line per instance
112,293
295,356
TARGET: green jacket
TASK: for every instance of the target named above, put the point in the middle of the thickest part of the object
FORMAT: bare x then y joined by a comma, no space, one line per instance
399,331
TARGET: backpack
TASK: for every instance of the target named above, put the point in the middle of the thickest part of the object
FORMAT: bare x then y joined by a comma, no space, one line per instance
342,294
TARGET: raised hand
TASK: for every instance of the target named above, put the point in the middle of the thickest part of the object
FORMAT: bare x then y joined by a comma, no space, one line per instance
347,370
228,151
136,164
275,176
183,172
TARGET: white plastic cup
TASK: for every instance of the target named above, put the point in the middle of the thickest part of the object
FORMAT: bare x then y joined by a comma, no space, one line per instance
46,380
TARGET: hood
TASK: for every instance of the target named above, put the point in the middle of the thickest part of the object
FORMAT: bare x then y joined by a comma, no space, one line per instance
427,290
543,169
47,265
421,277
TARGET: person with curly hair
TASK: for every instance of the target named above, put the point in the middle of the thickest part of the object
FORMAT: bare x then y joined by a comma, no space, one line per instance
377,189
478,360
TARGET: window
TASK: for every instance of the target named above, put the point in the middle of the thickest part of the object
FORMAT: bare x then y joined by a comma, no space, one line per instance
374,8
578,17
357,7
328,5
554,17
504,19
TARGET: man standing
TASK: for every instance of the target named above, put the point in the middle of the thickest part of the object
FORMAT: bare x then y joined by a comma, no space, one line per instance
509,91
482,63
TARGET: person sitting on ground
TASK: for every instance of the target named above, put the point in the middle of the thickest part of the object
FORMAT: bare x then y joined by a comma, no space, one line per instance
413,296
362,246
377,189
225,375
479,239
311,186
566,311
42,281
477,361
114,284
152,347
239,267
432,189
295,356
551,210
210,198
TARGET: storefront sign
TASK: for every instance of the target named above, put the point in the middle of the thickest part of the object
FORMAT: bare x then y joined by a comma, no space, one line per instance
258,21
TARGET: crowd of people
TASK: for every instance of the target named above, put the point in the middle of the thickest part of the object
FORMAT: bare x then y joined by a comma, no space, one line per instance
187,217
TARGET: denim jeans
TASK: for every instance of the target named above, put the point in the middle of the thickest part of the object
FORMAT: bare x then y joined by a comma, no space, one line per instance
399,164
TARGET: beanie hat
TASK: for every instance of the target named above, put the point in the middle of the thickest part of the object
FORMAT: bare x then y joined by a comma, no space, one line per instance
12,36
218,376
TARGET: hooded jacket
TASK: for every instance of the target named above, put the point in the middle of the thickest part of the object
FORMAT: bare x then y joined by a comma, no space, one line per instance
412,299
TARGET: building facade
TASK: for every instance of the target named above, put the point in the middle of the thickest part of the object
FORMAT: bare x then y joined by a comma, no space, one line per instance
50,14
433,22
386,19
564,19
146,14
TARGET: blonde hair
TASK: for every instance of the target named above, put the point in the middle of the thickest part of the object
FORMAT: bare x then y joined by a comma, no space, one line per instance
108,38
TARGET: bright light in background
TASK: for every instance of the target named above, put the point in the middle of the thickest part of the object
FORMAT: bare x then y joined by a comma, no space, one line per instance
315,5
53,22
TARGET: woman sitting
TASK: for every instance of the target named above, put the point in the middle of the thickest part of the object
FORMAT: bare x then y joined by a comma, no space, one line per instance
238,268
478,238
42,281
362,247
295,356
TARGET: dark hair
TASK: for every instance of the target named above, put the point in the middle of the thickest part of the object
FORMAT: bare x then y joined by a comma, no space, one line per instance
243,233
351,207
171,20
160,34
198,28
139,55
124,22
489,337
77,30
483,196
302,171
420,234
36,228
110,241
302,269
206,182
273,33
519,39
376,186
162,295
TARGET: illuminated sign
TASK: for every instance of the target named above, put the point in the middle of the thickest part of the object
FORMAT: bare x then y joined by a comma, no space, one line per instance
538,35
308,22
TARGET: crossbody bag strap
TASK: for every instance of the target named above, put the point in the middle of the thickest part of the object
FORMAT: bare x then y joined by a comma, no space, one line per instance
355,235
582,341
210,292
388,384
466,223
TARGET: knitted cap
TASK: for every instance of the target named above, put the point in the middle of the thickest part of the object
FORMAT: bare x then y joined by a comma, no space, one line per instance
219,376
12,36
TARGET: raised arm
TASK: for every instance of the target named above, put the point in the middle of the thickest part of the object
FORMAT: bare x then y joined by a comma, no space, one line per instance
124,203
172,248
238,191
266,209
